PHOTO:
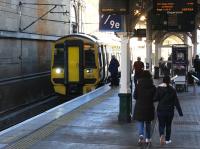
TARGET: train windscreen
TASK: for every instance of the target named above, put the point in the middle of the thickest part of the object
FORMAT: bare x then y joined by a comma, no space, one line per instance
89,59
59,57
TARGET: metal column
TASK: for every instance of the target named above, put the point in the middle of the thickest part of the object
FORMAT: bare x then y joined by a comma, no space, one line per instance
194,42
125,95
149,45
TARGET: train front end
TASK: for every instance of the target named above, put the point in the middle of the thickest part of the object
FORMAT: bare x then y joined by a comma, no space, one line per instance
74,68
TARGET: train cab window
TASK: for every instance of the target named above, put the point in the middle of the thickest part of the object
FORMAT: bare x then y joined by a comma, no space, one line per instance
59,57
89,59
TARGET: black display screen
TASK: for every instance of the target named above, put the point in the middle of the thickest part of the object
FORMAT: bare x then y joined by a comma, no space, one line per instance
174,6
113,6
180,54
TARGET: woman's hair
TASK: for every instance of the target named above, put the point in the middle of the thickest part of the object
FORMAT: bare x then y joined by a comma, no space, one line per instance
146,74
166,79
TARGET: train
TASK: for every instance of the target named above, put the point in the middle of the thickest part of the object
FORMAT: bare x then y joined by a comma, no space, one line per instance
79,64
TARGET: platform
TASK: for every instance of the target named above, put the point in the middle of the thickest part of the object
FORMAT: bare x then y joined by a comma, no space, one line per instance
94,125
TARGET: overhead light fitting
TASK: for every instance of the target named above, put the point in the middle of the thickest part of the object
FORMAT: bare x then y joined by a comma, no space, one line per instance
142,18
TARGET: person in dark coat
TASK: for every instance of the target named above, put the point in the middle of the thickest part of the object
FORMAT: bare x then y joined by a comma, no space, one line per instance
161,66
169,65
144,107
167,100
113,69
197,67
138,67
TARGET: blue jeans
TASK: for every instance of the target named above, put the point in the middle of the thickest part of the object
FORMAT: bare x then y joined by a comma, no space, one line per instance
147,125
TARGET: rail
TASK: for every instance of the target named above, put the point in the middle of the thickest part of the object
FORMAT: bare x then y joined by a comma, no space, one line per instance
12,116
58,111
24,77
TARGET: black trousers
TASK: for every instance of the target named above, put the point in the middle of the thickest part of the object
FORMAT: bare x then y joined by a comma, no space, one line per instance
114,79
165,122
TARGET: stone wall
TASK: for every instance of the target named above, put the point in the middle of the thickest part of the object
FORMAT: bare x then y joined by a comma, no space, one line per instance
50,24
22,57
25,48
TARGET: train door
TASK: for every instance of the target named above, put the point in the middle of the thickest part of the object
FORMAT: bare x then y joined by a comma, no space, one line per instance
74,66
105,62
101,69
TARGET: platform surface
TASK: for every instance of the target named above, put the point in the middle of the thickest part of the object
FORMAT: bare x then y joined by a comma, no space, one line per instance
95,126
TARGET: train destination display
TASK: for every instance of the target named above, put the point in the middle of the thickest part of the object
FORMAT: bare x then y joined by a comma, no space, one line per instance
113,6
174,6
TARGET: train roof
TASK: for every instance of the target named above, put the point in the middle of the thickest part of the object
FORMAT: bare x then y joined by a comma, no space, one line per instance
90,37
100,40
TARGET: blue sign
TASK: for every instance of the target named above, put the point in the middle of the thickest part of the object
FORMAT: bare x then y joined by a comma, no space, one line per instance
111,23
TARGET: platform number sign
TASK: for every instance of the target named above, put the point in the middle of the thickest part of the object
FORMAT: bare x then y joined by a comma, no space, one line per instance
111,23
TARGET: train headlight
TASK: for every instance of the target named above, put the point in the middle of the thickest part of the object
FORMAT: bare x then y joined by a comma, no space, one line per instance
58,70
89,70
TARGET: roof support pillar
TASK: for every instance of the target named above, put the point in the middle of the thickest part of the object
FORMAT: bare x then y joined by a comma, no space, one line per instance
157,53
194,42
149,45
125,107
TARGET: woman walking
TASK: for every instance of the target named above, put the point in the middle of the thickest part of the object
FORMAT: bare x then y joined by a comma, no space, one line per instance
167,100
144,107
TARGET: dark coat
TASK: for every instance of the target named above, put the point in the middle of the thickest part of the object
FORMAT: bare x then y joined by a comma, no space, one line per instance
197,65
167,100
138,66
144,107
113,66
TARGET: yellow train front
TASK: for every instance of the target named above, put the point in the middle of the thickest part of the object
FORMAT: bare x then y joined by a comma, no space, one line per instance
79,64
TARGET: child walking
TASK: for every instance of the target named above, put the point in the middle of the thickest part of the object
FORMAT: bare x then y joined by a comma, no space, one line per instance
167,100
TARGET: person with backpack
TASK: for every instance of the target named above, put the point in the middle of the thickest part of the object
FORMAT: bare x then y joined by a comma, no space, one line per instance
167,100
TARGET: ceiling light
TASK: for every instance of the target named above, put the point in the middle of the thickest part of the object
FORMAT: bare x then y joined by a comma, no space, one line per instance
142,18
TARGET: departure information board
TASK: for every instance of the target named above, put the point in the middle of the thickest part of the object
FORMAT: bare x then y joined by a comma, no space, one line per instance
113,6
174,6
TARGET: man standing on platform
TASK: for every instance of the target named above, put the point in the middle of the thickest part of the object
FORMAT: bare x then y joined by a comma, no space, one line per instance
197,67
113,69
138,66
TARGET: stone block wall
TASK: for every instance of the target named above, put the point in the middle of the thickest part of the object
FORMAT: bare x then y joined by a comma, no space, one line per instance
50,24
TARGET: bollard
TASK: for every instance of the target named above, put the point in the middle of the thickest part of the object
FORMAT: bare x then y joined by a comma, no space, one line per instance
194,89
156,72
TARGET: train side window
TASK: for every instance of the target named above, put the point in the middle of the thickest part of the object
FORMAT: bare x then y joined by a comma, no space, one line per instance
89,59
59,57
103,55
100,56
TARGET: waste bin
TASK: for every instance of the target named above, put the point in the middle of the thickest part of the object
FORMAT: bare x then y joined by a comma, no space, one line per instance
156,72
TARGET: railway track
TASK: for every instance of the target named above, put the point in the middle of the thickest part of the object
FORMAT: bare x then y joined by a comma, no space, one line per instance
21,113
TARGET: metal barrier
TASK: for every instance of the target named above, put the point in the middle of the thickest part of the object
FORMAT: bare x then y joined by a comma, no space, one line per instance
195,79
180,82
194,84
174,77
